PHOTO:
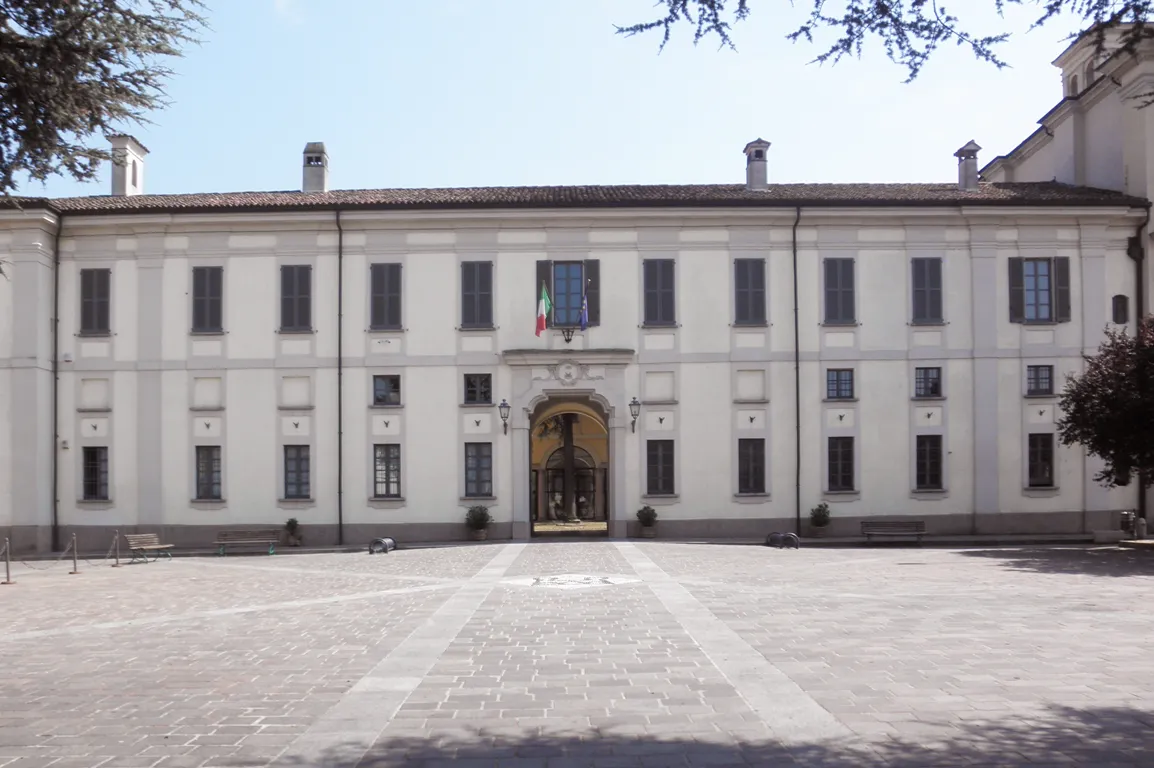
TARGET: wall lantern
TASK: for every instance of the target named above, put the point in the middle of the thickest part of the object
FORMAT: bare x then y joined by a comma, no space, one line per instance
634,411
504,409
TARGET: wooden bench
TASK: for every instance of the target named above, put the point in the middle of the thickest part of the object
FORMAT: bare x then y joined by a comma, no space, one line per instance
895,528
262,537
140,544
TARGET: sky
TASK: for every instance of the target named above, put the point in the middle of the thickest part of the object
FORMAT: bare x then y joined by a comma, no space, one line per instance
455,93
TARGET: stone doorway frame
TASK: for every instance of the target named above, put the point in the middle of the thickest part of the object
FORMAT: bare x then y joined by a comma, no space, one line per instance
593,377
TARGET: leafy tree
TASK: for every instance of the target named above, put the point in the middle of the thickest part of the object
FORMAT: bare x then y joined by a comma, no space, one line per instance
1109,408
910,31
74,70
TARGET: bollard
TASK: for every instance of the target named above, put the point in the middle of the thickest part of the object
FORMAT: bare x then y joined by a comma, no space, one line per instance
7,564
116,543
75,565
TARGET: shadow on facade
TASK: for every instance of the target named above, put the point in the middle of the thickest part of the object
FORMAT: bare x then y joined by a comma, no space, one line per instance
1097,561
1059,735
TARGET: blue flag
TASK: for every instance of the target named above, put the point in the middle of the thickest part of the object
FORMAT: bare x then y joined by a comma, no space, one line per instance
584,312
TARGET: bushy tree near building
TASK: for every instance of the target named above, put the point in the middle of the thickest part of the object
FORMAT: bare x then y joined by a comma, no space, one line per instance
73,70
1109,407
910,31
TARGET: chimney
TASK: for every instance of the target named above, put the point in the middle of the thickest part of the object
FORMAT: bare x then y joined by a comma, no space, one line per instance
756,175
968,166
127,165
316,168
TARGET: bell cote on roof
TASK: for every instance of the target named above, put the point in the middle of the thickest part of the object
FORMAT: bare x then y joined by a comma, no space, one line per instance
315,176
756,171
127,165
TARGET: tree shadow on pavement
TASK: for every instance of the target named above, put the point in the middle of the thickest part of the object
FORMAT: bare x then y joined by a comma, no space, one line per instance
1081,561
1062,735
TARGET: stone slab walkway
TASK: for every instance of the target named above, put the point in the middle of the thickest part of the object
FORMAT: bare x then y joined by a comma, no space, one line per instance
585,653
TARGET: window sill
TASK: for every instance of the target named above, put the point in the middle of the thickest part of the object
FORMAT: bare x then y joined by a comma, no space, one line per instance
928,323
296,502
206,333
661,499
386,406
1041,491
1040,397
929,492
476,405
385,330
841,495
1038,322
386,502
476,328
94,410
95,335
758,401
751,498
659,402
295,407
208,408
847,324
296,331
474,499
208,502
659,326
840,400
95,503
749,325
928,398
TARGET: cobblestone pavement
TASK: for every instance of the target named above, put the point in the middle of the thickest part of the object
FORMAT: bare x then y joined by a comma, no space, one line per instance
585,654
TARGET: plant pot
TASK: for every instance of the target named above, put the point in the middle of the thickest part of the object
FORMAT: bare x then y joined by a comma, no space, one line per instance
649,532
479,534
817,531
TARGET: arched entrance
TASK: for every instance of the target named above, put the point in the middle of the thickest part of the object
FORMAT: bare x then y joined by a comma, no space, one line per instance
569,468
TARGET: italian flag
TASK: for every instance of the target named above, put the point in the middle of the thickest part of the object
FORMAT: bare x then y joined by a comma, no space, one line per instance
543,308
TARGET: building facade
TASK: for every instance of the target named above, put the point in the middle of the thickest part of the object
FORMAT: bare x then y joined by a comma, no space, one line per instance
369,361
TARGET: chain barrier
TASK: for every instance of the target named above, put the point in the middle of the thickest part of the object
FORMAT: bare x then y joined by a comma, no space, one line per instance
7,563
70,548
108,554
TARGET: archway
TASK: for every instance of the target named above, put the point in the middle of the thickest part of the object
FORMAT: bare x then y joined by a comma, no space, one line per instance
569,468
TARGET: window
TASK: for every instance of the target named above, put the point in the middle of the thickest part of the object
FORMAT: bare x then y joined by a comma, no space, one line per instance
297,473
208,472
568,293
387,390
207,299
841,464
95,301
296,301
839,292
751,465
1039,379
1041,461
1120,309
478,389
387,471
479,470
927,283
567,282
1040,290
929,462
659,292
927,382
749,291
476,294
839,384
659,467
95,473
385,298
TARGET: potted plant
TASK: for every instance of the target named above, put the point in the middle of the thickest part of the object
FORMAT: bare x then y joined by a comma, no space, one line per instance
478,519
293,528
819,519
647,516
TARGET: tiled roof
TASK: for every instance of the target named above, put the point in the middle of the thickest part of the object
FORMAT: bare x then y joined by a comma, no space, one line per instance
626,196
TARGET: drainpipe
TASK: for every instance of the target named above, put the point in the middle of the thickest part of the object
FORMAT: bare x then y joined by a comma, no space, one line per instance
340,380
56,381
796,383
1137,252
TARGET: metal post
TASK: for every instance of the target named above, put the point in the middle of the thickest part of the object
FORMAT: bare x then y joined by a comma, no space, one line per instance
75,565
116,544
7,564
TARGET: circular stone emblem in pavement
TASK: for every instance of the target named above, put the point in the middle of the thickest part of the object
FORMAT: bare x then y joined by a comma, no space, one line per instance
571,581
